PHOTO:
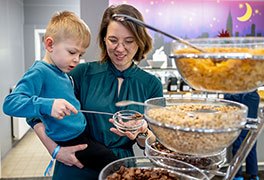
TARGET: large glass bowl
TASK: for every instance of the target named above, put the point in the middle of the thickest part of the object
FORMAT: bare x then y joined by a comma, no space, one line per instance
150,168
212,162
231,65
195,126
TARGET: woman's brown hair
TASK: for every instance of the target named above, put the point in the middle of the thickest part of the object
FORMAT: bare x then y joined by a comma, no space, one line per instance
142,38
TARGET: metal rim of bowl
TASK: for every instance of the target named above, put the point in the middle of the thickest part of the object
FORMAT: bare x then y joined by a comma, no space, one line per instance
199,130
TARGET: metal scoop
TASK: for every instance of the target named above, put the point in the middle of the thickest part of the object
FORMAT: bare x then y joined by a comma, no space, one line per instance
96,112
129,102
124,17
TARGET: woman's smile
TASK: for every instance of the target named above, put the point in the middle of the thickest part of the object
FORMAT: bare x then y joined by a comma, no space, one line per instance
120,57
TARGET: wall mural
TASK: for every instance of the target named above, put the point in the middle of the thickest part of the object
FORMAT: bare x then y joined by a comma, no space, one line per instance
201,18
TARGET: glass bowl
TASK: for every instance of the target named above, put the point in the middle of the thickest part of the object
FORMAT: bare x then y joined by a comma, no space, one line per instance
212,162
232,65
128,120
150,167
195,126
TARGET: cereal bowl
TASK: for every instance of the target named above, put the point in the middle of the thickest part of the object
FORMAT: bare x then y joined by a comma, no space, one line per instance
212,162
195,126
155,64
128,120
233,65
151,168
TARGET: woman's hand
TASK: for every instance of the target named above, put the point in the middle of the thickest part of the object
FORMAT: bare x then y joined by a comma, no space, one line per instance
67,156
130,135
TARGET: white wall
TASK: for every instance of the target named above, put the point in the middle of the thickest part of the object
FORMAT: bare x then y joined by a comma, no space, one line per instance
91,13
0,164
11,60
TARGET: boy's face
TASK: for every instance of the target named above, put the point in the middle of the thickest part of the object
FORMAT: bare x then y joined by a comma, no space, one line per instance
66,54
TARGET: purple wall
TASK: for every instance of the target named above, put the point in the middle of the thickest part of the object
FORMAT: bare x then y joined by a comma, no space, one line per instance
202,18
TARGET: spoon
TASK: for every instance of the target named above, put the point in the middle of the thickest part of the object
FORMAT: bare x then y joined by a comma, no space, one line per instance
124,17
129,102
96,112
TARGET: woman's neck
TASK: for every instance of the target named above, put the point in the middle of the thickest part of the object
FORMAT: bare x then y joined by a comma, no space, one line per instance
122,67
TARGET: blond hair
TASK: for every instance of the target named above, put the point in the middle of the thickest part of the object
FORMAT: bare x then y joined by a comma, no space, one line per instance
67,25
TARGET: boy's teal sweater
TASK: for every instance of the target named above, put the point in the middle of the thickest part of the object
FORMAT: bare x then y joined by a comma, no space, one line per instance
34,96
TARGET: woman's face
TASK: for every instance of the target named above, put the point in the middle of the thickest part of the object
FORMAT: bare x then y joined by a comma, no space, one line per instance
121,45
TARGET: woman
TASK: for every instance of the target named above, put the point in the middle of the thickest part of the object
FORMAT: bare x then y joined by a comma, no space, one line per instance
99,85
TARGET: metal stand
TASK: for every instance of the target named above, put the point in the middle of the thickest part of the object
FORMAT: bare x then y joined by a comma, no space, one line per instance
255,129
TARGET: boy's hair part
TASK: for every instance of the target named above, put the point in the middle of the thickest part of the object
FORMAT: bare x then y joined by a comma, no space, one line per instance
67,25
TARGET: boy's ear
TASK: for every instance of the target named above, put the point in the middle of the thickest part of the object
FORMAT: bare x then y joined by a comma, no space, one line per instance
49,44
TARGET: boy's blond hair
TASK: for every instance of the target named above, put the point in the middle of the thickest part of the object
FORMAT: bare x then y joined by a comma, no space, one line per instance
67,25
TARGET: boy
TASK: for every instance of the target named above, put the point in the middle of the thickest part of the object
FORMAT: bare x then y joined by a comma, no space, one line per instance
46,91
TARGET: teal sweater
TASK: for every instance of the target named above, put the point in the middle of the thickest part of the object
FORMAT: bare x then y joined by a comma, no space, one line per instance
34,96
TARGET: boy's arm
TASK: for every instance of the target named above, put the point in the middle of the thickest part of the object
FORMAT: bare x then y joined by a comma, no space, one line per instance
24,100
66,155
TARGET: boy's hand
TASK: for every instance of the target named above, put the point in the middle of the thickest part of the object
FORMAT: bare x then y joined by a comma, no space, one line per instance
61,108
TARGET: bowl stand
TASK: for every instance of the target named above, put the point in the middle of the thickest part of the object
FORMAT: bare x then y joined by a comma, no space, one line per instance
255,129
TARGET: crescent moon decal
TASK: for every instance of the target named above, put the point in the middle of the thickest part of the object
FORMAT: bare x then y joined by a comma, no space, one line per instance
247,15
